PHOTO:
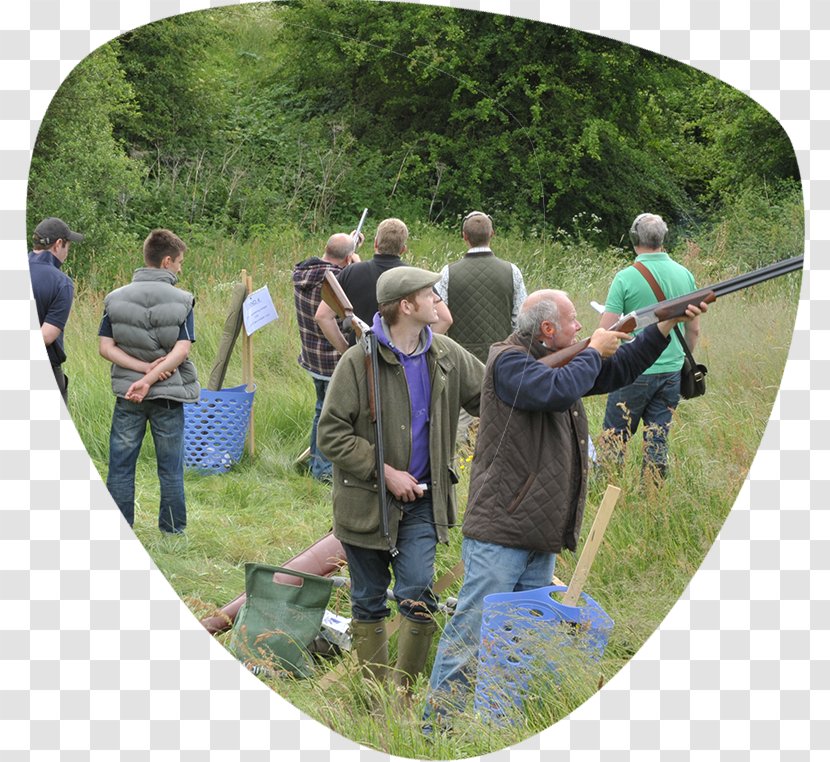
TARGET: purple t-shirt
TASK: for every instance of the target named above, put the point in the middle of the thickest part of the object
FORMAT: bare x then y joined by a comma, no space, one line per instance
416,370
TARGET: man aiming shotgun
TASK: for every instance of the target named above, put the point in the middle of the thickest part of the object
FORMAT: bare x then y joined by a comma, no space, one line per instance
529,476
359,284
393,488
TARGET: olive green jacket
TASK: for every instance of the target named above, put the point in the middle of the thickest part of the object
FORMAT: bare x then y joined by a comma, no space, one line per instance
345,436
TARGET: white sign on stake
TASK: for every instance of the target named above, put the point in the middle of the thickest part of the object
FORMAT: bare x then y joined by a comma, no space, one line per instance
258,310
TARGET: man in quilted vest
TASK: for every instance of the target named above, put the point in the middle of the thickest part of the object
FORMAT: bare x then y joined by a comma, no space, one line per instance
484,294
530,471
653,397
146,333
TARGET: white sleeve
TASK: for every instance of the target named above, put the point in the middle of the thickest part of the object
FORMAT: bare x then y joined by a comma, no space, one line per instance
519,293
443,284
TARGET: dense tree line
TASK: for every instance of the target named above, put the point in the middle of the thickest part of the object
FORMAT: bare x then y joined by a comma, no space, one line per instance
240,120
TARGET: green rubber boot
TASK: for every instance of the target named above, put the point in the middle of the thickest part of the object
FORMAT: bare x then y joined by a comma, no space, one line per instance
414,640
370,644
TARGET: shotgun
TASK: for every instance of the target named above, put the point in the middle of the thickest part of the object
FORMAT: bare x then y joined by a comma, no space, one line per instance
672,308
356,236
333,295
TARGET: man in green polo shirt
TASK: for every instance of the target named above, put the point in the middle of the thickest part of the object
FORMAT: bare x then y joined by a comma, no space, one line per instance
654,396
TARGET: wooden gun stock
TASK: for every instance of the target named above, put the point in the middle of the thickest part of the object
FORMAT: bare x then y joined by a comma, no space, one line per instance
564,356
674,308
334,295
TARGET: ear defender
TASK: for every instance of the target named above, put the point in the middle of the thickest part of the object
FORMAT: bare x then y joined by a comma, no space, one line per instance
478,214
633,234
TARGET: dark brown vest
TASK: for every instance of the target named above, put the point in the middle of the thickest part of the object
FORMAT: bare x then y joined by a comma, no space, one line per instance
529,475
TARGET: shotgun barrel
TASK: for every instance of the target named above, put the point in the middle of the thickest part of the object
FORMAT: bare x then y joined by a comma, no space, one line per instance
356,236
672,308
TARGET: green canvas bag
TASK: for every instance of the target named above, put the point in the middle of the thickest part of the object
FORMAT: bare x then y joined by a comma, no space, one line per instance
278,621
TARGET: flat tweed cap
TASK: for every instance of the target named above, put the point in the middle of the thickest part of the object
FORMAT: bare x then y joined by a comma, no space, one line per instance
399,282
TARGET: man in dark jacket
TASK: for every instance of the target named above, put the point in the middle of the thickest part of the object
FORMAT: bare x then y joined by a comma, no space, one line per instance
359,283
528,483
317,356
53,289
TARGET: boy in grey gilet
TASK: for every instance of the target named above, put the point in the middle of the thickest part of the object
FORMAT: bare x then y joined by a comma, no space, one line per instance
146,333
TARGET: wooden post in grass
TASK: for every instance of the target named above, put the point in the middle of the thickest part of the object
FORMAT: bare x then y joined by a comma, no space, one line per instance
589,552
248,364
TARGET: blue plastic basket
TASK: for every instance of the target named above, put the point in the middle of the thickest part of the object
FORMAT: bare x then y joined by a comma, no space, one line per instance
528,633
215,429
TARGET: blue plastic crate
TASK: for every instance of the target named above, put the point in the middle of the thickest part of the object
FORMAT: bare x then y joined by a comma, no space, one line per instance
215,429
525,633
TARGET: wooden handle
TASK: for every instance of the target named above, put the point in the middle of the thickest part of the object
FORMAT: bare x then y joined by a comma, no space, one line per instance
564,356
248,364
589,552
333,294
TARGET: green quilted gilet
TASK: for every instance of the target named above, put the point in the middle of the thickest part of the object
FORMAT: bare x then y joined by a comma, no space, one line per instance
480,297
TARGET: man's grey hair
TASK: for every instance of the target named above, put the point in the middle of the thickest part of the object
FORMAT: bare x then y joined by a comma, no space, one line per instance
652,231
340,246
530,319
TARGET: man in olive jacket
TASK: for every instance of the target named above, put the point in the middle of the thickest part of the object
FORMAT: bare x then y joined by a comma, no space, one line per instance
425,379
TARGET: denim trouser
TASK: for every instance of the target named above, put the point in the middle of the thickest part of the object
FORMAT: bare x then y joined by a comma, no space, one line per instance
413,566
129,423
652,398
320,464
488,568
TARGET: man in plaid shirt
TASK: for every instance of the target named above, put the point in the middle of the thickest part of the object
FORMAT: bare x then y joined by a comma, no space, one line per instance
317,356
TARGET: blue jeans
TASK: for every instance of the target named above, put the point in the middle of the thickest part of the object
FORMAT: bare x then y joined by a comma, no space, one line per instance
488,568
414,567
320,464
129,424
652,399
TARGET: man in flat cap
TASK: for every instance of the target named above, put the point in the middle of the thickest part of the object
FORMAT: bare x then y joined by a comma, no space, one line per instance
425,379
53,289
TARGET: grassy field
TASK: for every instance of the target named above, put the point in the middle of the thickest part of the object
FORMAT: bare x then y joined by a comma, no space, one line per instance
264,510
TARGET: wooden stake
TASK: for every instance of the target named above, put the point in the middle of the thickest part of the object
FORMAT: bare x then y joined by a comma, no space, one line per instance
589,552
248,364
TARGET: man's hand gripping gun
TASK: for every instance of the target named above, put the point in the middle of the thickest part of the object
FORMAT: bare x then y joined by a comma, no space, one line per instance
334,296
674,308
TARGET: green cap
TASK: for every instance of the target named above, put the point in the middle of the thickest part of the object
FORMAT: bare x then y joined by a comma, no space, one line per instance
399,282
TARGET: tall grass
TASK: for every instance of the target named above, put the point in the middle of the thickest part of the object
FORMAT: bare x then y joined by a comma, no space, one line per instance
265,510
